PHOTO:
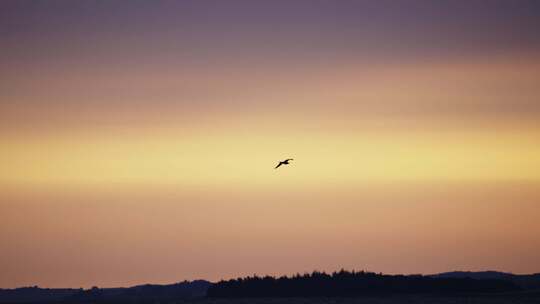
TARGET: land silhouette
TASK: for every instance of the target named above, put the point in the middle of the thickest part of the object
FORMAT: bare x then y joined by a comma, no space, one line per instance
354,284
315,287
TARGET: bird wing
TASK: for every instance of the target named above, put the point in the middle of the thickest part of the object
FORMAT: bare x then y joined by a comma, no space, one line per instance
289,159
280,163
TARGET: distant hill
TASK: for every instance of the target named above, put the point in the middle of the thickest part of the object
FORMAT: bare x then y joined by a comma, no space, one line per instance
136,294
357,284
526,281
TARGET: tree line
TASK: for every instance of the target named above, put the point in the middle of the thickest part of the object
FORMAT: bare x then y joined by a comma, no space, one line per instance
351,284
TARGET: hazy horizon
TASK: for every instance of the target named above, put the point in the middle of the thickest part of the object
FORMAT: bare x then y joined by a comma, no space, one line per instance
289,275
138,139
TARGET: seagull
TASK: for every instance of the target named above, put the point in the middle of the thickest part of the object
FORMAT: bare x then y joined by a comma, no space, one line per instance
283,162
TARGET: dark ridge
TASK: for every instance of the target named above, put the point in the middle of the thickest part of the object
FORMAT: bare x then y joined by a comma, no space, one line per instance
35,294
338,284
143,293
137,294
526,281
354,284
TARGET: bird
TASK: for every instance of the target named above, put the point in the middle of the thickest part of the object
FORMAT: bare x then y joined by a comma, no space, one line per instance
283,162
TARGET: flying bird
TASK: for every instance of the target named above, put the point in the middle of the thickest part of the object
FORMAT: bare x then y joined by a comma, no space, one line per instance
283,162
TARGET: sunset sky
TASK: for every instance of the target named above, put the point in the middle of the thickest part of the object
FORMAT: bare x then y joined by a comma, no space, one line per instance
138,139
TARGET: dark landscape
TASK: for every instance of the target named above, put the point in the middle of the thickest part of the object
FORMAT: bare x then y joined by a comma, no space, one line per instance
316,287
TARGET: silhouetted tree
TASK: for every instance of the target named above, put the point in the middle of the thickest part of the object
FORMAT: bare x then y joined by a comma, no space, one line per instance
351,283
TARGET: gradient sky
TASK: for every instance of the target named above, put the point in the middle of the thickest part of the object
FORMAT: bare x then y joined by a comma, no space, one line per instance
138,139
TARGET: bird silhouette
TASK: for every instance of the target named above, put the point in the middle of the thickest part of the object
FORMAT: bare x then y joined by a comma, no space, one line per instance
283,162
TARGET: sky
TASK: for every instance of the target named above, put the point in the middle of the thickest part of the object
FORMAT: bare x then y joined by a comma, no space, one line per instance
138,139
